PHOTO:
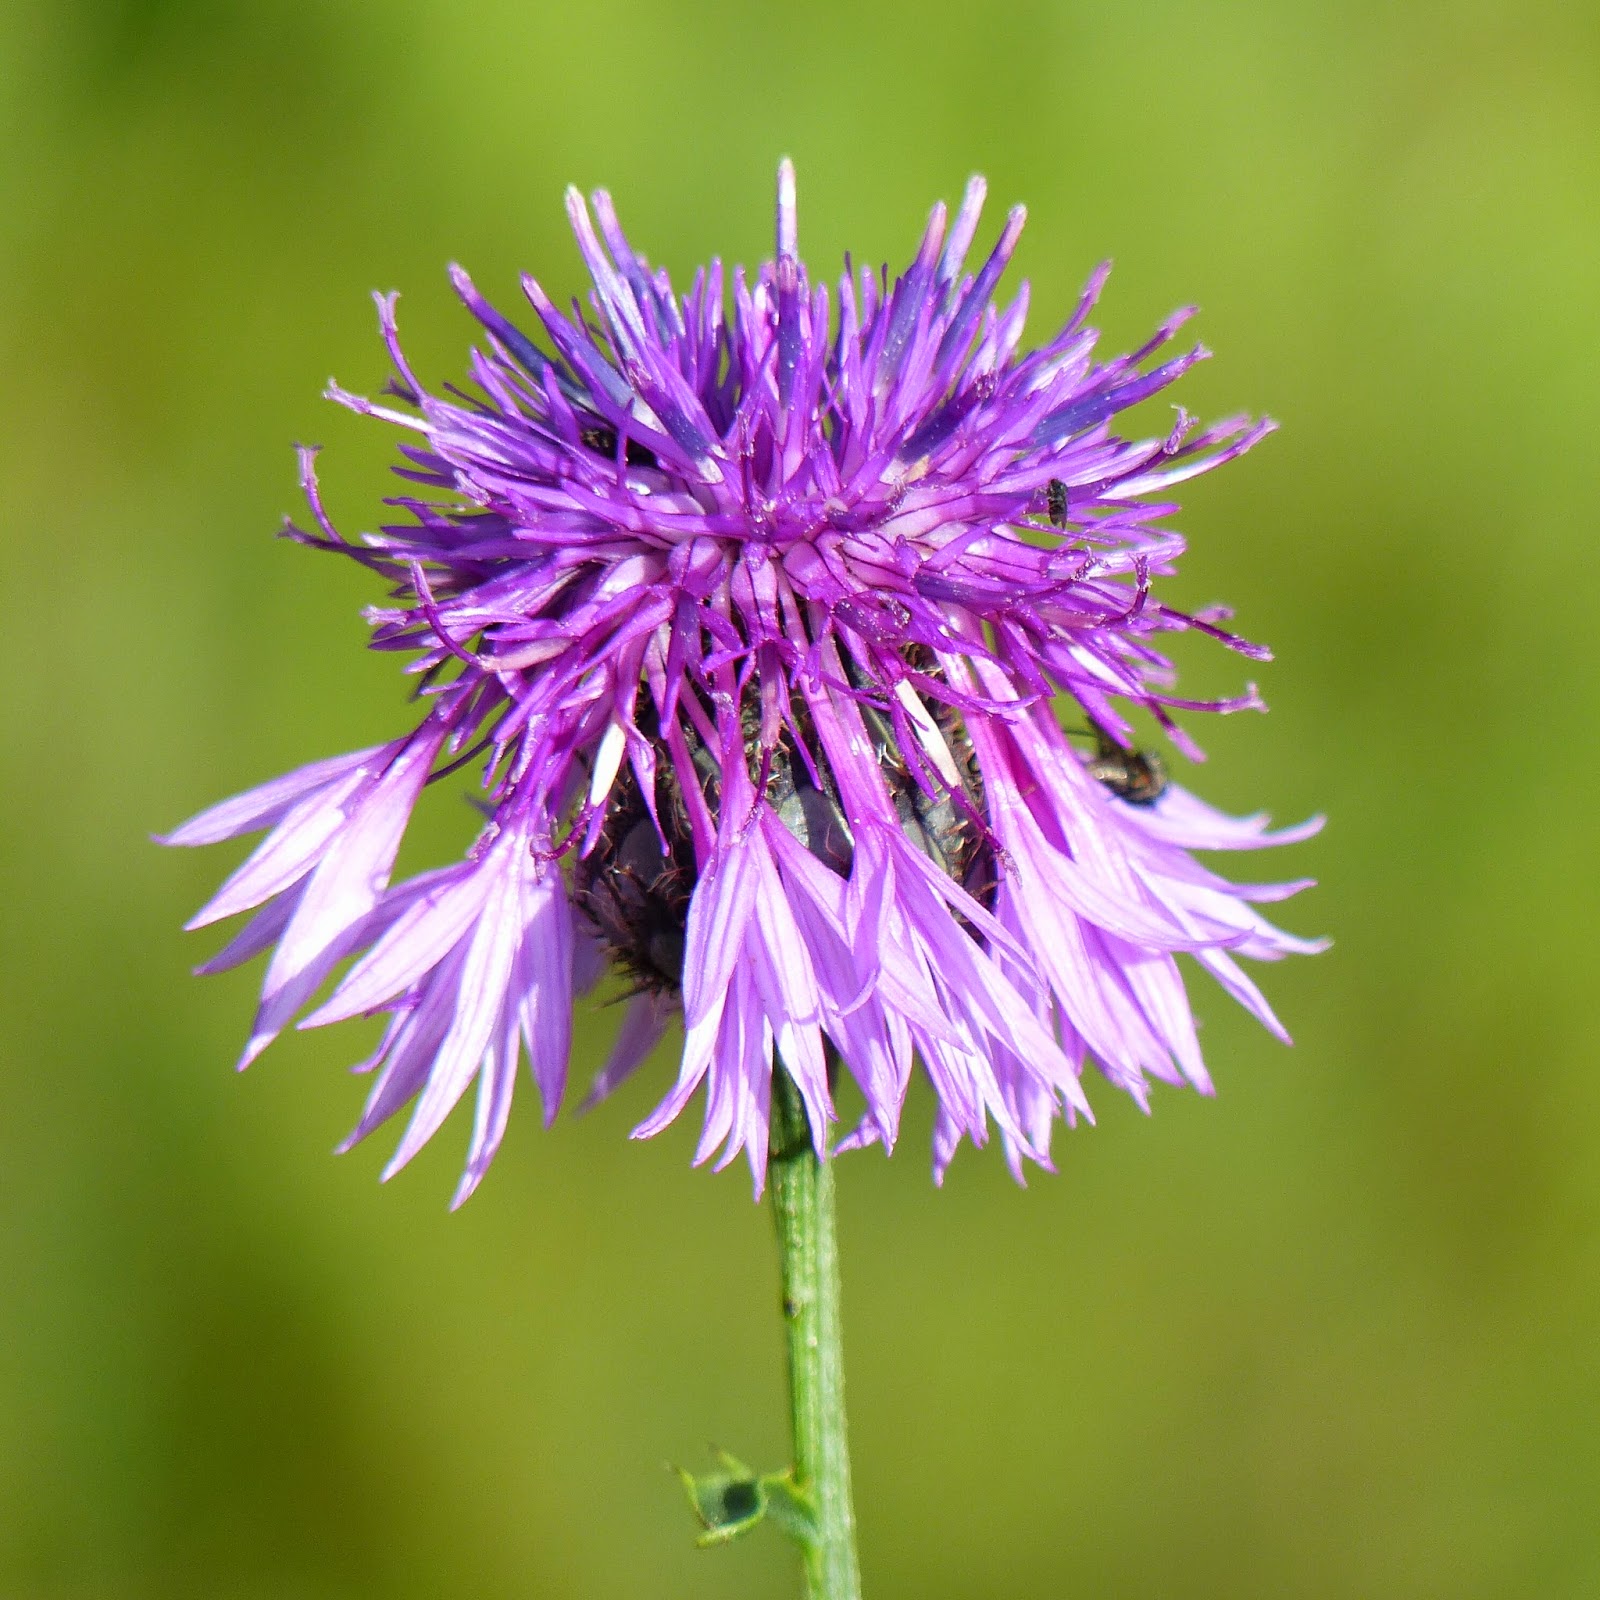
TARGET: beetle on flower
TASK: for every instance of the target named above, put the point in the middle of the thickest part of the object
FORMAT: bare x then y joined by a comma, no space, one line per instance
756,606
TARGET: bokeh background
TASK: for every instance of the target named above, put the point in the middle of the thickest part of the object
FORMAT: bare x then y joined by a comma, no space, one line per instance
1332,1334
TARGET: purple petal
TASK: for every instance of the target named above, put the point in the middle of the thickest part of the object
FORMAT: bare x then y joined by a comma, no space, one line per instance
268,804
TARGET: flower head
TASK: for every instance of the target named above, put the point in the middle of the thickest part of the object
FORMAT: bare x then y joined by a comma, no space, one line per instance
755,607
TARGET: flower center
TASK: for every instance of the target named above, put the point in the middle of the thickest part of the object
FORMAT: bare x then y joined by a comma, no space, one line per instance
637,894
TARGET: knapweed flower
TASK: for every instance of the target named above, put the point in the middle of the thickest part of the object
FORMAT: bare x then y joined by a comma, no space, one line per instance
758,609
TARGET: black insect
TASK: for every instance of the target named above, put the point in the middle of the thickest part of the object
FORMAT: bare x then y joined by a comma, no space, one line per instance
1136,776
1055,499
603,440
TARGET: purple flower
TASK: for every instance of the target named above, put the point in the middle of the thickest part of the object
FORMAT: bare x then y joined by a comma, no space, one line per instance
754,608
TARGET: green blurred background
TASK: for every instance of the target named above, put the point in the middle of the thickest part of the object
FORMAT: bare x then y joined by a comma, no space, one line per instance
1333,1334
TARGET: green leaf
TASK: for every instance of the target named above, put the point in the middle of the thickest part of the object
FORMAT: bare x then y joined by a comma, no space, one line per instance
790,1508
730,1502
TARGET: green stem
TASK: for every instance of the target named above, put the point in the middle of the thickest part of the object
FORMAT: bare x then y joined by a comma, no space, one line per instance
803,1207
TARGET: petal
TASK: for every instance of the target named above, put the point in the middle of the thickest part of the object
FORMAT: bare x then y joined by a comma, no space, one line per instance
262,807
346,883
644,1022
287,854
480,999
415,943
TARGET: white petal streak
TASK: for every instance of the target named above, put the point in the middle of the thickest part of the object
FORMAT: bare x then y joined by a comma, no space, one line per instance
607,762
927,732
